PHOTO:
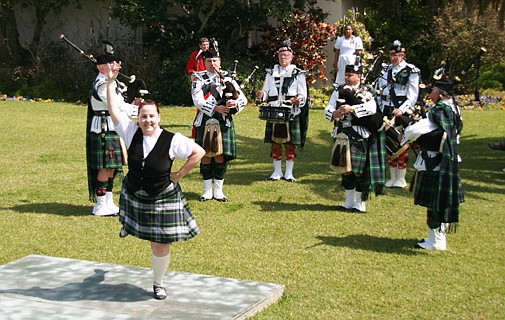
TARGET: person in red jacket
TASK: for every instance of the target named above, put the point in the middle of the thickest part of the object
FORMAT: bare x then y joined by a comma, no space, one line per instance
195,62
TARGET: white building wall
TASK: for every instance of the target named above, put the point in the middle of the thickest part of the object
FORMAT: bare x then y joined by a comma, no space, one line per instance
85,27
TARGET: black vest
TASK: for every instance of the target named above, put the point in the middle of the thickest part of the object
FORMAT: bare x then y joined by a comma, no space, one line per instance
154,176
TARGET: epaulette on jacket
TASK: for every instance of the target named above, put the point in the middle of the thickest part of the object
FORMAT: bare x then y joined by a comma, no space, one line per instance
198,75
99,81
413,68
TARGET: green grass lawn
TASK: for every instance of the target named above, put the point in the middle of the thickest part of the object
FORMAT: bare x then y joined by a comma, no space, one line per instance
334,265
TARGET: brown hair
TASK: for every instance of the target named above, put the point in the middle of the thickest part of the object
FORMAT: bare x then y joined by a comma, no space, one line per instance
149,103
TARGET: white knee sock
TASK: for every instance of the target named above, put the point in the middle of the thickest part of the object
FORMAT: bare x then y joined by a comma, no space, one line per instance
160,266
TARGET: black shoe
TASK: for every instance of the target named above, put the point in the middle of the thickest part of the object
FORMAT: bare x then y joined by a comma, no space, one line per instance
123,233
203,199
222,199
159,292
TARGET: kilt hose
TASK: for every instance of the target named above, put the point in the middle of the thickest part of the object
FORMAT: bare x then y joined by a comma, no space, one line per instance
294,132
228,137
162,218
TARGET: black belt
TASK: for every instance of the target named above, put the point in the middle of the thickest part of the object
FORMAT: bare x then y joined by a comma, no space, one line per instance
275,98
101,113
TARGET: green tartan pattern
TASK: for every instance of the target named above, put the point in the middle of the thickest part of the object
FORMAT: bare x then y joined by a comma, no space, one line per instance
358,155
441,190
163,218
228,137
426,188
377,163
369,159
96,157
294,132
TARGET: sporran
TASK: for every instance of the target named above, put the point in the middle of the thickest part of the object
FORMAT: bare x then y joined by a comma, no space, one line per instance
280,132
212,138
340,160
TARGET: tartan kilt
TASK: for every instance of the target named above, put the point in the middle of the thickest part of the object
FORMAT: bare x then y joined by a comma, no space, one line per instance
427,187
163,218
378,160
96,157
227,134
294,132
358,155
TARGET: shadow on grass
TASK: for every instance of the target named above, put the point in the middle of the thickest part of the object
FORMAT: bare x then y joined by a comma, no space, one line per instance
372,243
192,195
63,209
270,206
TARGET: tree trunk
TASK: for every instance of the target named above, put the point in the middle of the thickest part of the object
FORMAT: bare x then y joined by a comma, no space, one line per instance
11,50
501,16
40,15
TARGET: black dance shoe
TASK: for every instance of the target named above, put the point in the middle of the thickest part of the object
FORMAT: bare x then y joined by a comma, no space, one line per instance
159,292
123,233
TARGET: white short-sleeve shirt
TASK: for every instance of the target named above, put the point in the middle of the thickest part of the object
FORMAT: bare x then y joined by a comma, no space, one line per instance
180,148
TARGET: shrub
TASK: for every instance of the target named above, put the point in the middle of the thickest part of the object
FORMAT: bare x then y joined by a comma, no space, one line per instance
308,34
493,76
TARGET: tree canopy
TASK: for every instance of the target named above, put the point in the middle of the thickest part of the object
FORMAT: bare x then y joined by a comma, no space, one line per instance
433,31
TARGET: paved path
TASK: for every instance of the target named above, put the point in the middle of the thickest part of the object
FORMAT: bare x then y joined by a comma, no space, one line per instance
42,287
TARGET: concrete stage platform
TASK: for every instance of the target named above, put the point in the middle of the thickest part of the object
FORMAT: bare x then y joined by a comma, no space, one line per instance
42,287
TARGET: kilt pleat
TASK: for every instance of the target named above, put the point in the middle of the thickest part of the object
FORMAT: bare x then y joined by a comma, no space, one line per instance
358,156
100,158
294,131
426,188
378,160
163,218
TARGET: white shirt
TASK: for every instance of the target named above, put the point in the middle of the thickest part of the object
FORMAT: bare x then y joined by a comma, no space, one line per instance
298,87
410,90
367,108
207,102
101,105
180,148
348,46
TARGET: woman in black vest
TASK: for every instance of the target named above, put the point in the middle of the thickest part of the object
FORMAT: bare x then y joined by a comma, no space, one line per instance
152,206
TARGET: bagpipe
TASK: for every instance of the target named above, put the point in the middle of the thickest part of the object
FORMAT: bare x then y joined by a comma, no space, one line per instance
227,78
393,126
350,96
228,89
212,138
340,160
429,139
372,67
133,88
